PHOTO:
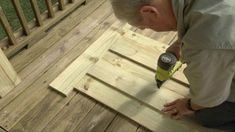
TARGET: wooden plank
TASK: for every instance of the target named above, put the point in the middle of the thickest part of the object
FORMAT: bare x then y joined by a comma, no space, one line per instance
122,124
54,62
36,12
133,109
143,73
43,113
138,88
20,61
23,41
71,115
8,77
50,10
87,29
144,51
20,14
98,119
65,81
61,4
7,27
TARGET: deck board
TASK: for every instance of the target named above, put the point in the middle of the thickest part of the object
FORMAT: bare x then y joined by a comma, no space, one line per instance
33,106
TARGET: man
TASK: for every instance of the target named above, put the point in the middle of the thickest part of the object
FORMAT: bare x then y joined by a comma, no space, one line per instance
206,32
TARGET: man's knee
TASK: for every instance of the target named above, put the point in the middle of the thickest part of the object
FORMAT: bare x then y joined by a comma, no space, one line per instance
217,116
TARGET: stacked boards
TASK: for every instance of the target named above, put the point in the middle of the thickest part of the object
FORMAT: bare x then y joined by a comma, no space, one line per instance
118,70
8,76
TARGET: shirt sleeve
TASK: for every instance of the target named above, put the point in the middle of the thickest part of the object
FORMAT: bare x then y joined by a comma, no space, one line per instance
210,74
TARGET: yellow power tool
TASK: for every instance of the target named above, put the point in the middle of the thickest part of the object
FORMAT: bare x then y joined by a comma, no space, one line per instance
167,66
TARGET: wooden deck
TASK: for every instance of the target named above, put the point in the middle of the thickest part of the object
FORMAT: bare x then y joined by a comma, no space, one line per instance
33,106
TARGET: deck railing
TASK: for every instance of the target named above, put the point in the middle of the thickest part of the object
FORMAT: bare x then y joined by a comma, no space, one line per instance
30,32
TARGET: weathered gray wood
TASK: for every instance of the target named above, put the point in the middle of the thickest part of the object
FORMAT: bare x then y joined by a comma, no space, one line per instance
122,124
98,119
21,16
36,92
70,116
7,27
36,12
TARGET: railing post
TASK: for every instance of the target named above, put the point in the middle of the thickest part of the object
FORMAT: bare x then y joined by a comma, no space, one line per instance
36,12
61,4
21,16
51,12
7,27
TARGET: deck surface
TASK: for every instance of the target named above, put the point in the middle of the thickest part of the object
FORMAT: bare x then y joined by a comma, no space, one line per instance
34,106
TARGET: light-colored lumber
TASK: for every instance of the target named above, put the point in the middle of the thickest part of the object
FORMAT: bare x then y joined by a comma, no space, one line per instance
21,16
141,72
36,12
7,27
133,109
50,10
138,88
144,51
64,83
8,77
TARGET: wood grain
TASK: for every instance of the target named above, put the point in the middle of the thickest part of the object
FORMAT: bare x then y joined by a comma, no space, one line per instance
36,12
21,16
7,27
97,120
8,76
65,82
131,108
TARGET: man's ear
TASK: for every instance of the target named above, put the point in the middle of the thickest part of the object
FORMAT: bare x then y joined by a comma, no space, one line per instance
149,11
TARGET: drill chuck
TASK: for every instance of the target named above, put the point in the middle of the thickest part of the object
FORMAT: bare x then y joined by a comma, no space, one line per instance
166,63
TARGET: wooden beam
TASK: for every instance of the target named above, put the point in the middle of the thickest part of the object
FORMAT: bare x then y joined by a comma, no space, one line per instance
65,82
61,4
36,11
133,109
21,16
7,27
37,31
8,76
51,12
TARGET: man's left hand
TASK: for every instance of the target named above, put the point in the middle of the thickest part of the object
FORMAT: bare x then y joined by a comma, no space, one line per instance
178,108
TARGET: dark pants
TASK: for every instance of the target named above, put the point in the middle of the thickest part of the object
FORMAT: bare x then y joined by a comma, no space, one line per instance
222,116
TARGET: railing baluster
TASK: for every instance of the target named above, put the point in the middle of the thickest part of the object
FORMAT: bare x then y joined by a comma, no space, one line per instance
7,28
71,1
36,12
61,4
50,8
21,16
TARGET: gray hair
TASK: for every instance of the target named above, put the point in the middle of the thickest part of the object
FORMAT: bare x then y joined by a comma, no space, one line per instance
128,10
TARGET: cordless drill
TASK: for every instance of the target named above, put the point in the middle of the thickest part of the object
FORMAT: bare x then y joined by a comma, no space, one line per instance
167,66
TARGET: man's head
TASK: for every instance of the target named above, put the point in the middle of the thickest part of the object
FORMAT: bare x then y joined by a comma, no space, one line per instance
154,14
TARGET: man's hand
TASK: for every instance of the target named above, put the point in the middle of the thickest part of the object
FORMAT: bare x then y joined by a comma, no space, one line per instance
175,48
177,109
